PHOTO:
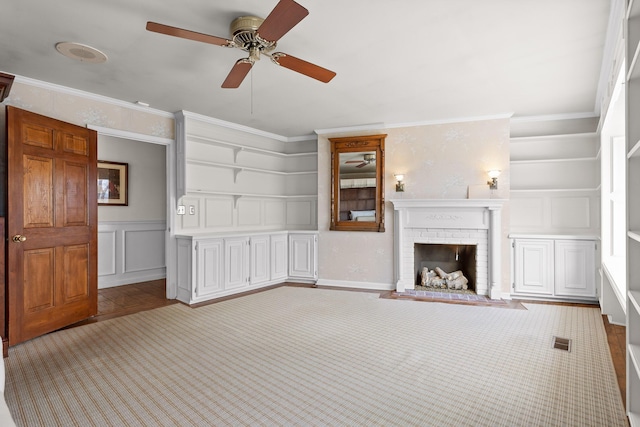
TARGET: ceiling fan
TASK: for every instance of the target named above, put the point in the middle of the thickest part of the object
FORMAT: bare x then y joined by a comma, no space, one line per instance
367,159
256,36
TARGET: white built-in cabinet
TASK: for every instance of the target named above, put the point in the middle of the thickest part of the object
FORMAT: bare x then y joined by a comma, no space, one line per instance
303,256
279,257
236,266
633,210
554,267
213,266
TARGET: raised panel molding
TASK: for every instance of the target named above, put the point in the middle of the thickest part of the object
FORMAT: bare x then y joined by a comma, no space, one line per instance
137,256
300,212
130,252
570,212
555,212
106,252
218,213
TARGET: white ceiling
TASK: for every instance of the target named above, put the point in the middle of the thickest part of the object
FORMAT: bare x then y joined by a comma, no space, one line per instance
406,61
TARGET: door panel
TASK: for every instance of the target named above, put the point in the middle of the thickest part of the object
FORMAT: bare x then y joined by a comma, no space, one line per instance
75,194
37,265
38,186
52,204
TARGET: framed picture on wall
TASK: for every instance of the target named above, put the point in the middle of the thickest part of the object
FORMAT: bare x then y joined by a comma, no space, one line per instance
113,179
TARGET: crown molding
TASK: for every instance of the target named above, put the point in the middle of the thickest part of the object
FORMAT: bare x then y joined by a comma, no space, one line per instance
91,96
555,117
499,116
383,126
243,128
134,136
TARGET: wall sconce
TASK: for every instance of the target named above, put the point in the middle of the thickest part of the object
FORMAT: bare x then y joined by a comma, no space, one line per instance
400,184
493,174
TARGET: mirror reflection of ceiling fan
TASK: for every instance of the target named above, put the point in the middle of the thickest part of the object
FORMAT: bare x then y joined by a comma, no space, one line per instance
256,36
367,159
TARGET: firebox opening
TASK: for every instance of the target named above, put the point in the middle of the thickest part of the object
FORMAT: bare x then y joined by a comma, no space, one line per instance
449,258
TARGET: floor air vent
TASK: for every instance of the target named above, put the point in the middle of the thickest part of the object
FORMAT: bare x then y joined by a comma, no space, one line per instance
562,343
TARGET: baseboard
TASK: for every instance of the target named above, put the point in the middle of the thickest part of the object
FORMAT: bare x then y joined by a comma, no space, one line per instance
356,285
128,279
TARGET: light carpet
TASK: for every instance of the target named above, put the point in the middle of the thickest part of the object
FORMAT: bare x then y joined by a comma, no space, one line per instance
316,357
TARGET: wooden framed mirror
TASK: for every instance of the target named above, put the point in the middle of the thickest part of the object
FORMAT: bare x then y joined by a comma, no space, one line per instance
357,183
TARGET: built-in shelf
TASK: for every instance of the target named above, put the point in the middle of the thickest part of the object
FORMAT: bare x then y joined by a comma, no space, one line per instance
244,148
634,71
634,234
240,194
552,190
632,90
575,159
634,152
634,299
634,356
246,168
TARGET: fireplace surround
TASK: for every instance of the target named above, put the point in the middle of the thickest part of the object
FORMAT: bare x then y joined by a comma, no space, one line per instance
453,222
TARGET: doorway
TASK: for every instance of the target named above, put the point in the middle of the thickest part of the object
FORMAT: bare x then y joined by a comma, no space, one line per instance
132,238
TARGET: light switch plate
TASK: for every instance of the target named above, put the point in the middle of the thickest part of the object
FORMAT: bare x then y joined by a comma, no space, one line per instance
181,210
192,210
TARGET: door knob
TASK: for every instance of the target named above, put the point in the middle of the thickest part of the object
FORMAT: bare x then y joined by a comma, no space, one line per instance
18,238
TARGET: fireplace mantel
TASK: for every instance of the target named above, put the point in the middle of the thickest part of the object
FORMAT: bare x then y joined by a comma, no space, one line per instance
448,221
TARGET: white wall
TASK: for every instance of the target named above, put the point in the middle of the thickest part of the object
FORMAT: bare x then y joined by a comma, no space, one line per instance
147,179
131,239
439,162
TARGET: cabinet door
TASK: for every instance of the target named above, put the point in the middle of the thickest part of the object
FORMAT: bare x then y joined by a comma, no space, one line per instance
260,261
302,256
534,266
209,267
279,252
575,268
236,252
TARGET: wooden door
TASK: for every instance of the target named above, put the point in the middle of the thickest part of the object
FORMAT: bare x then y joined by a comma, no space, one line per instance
51,224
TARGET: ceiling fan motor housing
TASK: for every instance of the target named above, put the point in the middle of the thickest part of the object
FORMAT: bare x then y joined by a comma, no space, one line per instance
244,31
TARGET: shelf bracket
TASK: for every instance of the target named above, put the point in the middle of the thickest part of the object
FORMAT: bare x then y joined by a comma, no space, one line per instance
236,197
236,151
236,172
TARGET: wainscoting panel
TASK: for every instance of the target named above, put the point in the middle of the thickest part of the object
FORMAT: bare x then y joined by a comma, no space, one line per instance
218,212
556,212
130,252
106,253
249,213
137,256
570,212
274,213
301,213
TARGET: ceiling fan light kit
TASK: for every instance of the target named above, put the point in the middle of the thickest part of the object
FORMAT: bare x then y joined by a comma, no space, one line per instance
256,36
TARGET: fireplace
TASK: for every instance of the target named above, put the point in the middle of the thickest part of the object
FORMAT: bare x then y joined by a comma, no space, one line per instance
448,258
465,222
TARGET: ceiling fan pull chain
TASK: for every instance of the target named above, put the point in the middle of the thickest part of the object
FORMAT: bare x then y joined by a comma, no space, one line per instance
252,91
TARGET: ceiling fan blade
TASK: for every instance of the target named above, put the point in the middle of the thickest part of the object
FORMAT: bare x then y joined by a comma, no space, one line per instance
237,74
303,67
186,34
282,18
363,164
353,161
